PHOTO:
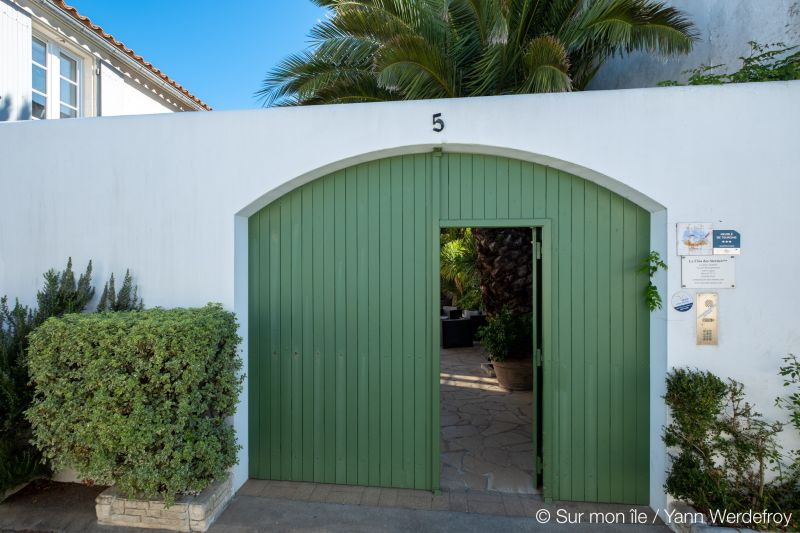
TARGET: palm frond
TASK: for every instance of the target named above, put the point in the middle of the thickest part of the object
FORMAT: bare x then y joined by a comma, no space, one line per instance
411,65
547,67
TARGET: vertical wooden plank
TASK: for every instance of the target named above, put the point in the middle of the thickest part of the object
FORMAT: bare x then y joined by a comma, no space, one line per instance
502,187
255,466
373,327
526,190
420,316
319,264
351,325
551,368
331,318
286,337
308,391
385,260
263,334
616,464
540,197
590,340
454,185
398,206
564,391
465,167
603,345
478,188
434,332
642,366
444,188
295,348
408,261
275,282
514,188
630,306
578,344
490,187
340,285
362,225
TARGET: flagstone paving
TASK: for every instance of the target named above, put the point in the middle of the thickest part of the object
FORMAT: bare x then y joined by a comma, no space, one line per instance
486,432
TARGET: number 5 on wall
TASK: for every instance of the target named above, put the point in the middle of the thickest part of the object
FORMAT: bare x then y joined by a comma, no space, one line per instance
438,123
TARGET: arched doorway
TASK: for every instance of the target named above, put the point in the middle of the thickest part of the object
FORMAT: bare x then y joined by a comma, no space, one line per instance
343,323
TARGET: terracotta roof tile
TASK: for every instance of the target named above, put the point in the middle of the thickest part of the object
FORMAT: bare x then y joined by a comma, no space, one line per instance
110,38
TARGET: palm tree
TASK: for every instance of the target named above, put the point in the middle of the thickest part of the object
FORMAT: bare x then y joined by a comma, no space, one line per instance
376,50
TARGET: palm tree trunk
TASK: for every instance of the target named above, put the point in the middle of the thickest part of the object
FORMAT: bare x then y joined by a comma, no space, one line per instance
505,264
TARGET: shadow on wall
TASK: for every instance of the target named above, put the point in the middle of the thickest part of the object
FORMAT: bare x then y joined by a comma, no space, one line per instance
7,109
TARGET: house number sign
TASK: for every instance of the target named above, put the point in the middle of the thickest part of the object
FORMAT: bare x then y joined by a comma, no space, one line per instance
438,122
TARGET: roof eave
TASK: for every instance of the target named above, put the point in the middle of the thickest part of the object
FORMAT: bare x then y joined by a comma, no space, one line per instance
70,19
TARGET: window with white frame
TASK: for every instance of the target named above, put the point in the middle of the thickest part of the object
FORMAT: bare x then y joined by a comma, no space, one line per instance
39,91
56,81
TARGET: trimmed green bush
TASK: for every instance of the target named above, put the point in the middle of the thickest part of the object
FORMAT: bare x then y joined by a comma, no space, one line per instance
138,399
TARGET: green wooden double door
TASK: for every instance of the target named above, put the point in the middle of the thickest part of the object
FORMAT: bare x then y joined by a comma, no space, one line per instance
343,323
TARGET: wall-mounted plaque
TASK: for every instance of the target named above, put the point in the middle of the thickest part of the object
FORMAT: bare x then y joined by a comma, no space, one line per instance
727,242
707,317
711,272
695,238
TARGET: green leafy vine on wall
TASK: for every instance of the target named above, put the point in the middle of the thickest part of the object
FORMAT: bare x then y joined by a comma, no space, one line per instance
766,62
650,265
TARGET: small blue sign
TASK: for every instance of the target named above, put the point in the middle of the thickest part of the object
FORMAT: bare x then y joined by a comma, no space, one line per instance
727,241
682,301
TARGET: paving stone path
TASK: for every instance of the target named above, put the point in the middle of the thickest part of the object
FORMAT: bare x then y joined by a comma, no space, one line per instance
487,432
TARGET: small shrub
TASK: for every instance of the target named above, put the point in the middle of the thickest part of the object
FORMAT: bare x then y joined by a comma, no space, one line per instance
507,336
126,299
725,450
19,460
138,399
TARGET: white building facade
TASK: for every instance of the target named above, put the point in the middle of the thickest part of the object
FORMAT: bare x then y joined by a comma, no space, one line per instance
724,155
55,63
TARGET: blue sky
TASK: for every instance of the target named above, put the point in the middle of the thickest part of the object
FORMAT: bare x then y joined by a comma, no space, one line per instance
219,51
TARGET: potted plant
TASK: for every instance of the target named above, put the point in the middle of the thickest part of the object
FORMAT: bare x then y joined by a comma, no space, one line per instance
507,337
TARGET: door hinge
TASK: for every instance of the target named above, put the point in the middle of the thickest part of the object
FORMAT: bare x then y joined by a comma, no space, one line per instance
539,464
538,357
538,250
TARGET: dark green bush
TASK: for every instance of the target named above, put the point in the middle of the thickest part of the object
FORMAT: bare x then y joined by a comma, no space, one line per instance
126,299
507,336
138,399
19,460
723,451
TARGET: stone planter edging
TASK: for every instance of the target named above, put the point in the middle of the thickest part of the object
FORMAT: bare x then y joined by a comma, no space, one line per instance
188,513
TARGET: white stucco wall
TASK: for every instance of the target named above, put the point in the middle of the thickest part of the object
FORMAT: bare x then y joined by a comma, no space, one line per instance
168,196
724,29
15,62
120,95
